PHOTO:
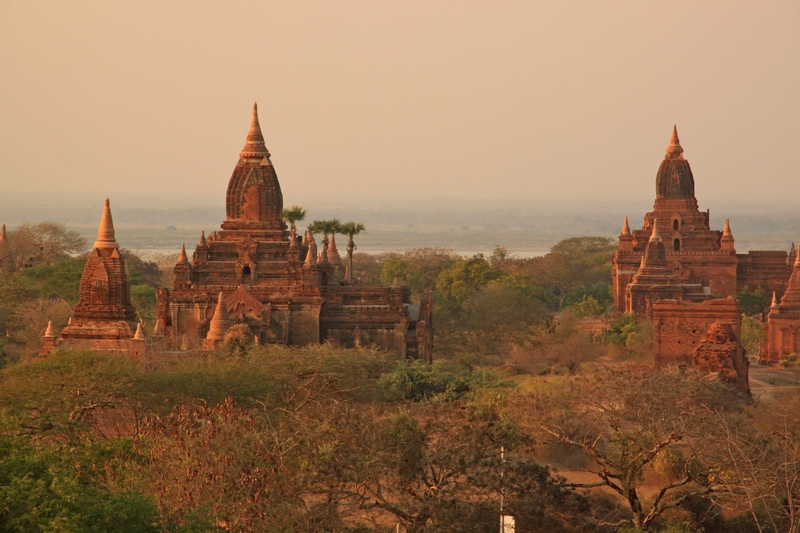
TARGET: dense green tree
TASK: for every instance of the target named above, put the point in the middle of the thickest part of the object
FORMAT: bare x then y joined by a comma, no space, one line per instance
293,215
463,278
754,302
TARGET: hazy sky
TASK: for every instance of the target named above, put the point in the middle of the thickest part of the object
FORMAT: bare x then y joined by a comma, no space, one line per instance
393,101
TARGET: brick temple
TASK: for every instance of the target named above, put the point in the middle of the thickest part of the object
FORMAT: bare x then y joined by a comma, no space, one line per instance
684,276
255,274
698,263
104,318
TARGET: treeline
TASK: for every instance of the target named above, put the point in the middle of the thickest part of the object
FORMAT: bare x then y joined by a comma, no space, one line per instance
323,439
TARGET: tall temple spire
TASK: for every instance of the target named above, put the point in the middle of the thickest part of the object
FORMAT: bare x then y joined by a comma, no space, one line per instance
3,236
674,150
726,231
105,235
655,236
254,146
182,257
203,242
626,229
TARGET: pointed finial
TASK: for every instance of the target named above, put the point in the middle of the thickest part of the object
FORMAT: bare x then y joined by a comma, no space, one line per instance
3,236
203,242
726,231
182,258
626,229
51,331
774,299
311,256
396,282
139,335
655,236
105,235
254,146
797,260
674,150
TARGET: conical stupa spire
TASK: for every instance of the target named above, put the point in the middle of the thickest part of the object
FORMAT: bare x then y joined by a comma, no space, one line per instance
797,261
311,256
254,145
674,150
105,235
726,231
655,236
139,335
774,299
202,242
626,229
182,258
3,236
333,252
220,322
51,331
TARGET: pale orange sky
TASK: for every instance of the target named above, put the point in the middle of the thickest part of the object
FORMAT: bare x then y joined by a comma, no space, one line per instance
451,100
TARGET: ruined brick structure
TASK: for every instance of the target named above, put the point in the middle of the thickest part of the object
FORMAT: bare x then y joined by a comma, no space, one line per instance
698,263
704,335
783,322
721,353
255,272
104,318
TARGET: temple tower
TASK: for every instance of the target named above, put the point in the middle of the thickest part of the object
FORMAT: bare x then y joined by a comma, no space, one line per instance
104,317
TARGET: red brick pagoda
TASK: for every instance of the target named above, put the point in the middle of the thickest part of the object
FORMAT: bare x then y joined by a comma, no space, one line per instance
104,318
254,272
698,263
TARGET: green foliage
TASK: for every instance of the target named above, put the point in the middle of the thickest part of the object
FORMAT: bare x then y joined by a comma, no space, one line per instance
143,299
575,268
753,334
419,267
754,302
442,381
293,214
621,328
57,280
589,306
351,229
466,276
44,488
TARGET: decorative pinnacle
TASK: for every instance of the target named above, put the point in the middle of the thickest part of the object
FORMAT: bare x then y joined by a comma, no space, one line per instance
674,150
254,144
774,299
3,236
311,256
105,235
182,258
203,242
51,331
655,236
797,260
726,231
139,335
626,229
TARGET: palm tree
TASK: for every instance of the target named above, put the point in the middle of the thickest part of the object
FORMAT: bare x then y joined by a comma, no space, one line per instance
326,227
351,229
292,215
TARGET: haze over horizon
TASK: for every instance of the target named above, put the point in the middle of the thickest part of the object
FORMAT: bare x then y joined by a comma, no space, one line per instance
399,106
